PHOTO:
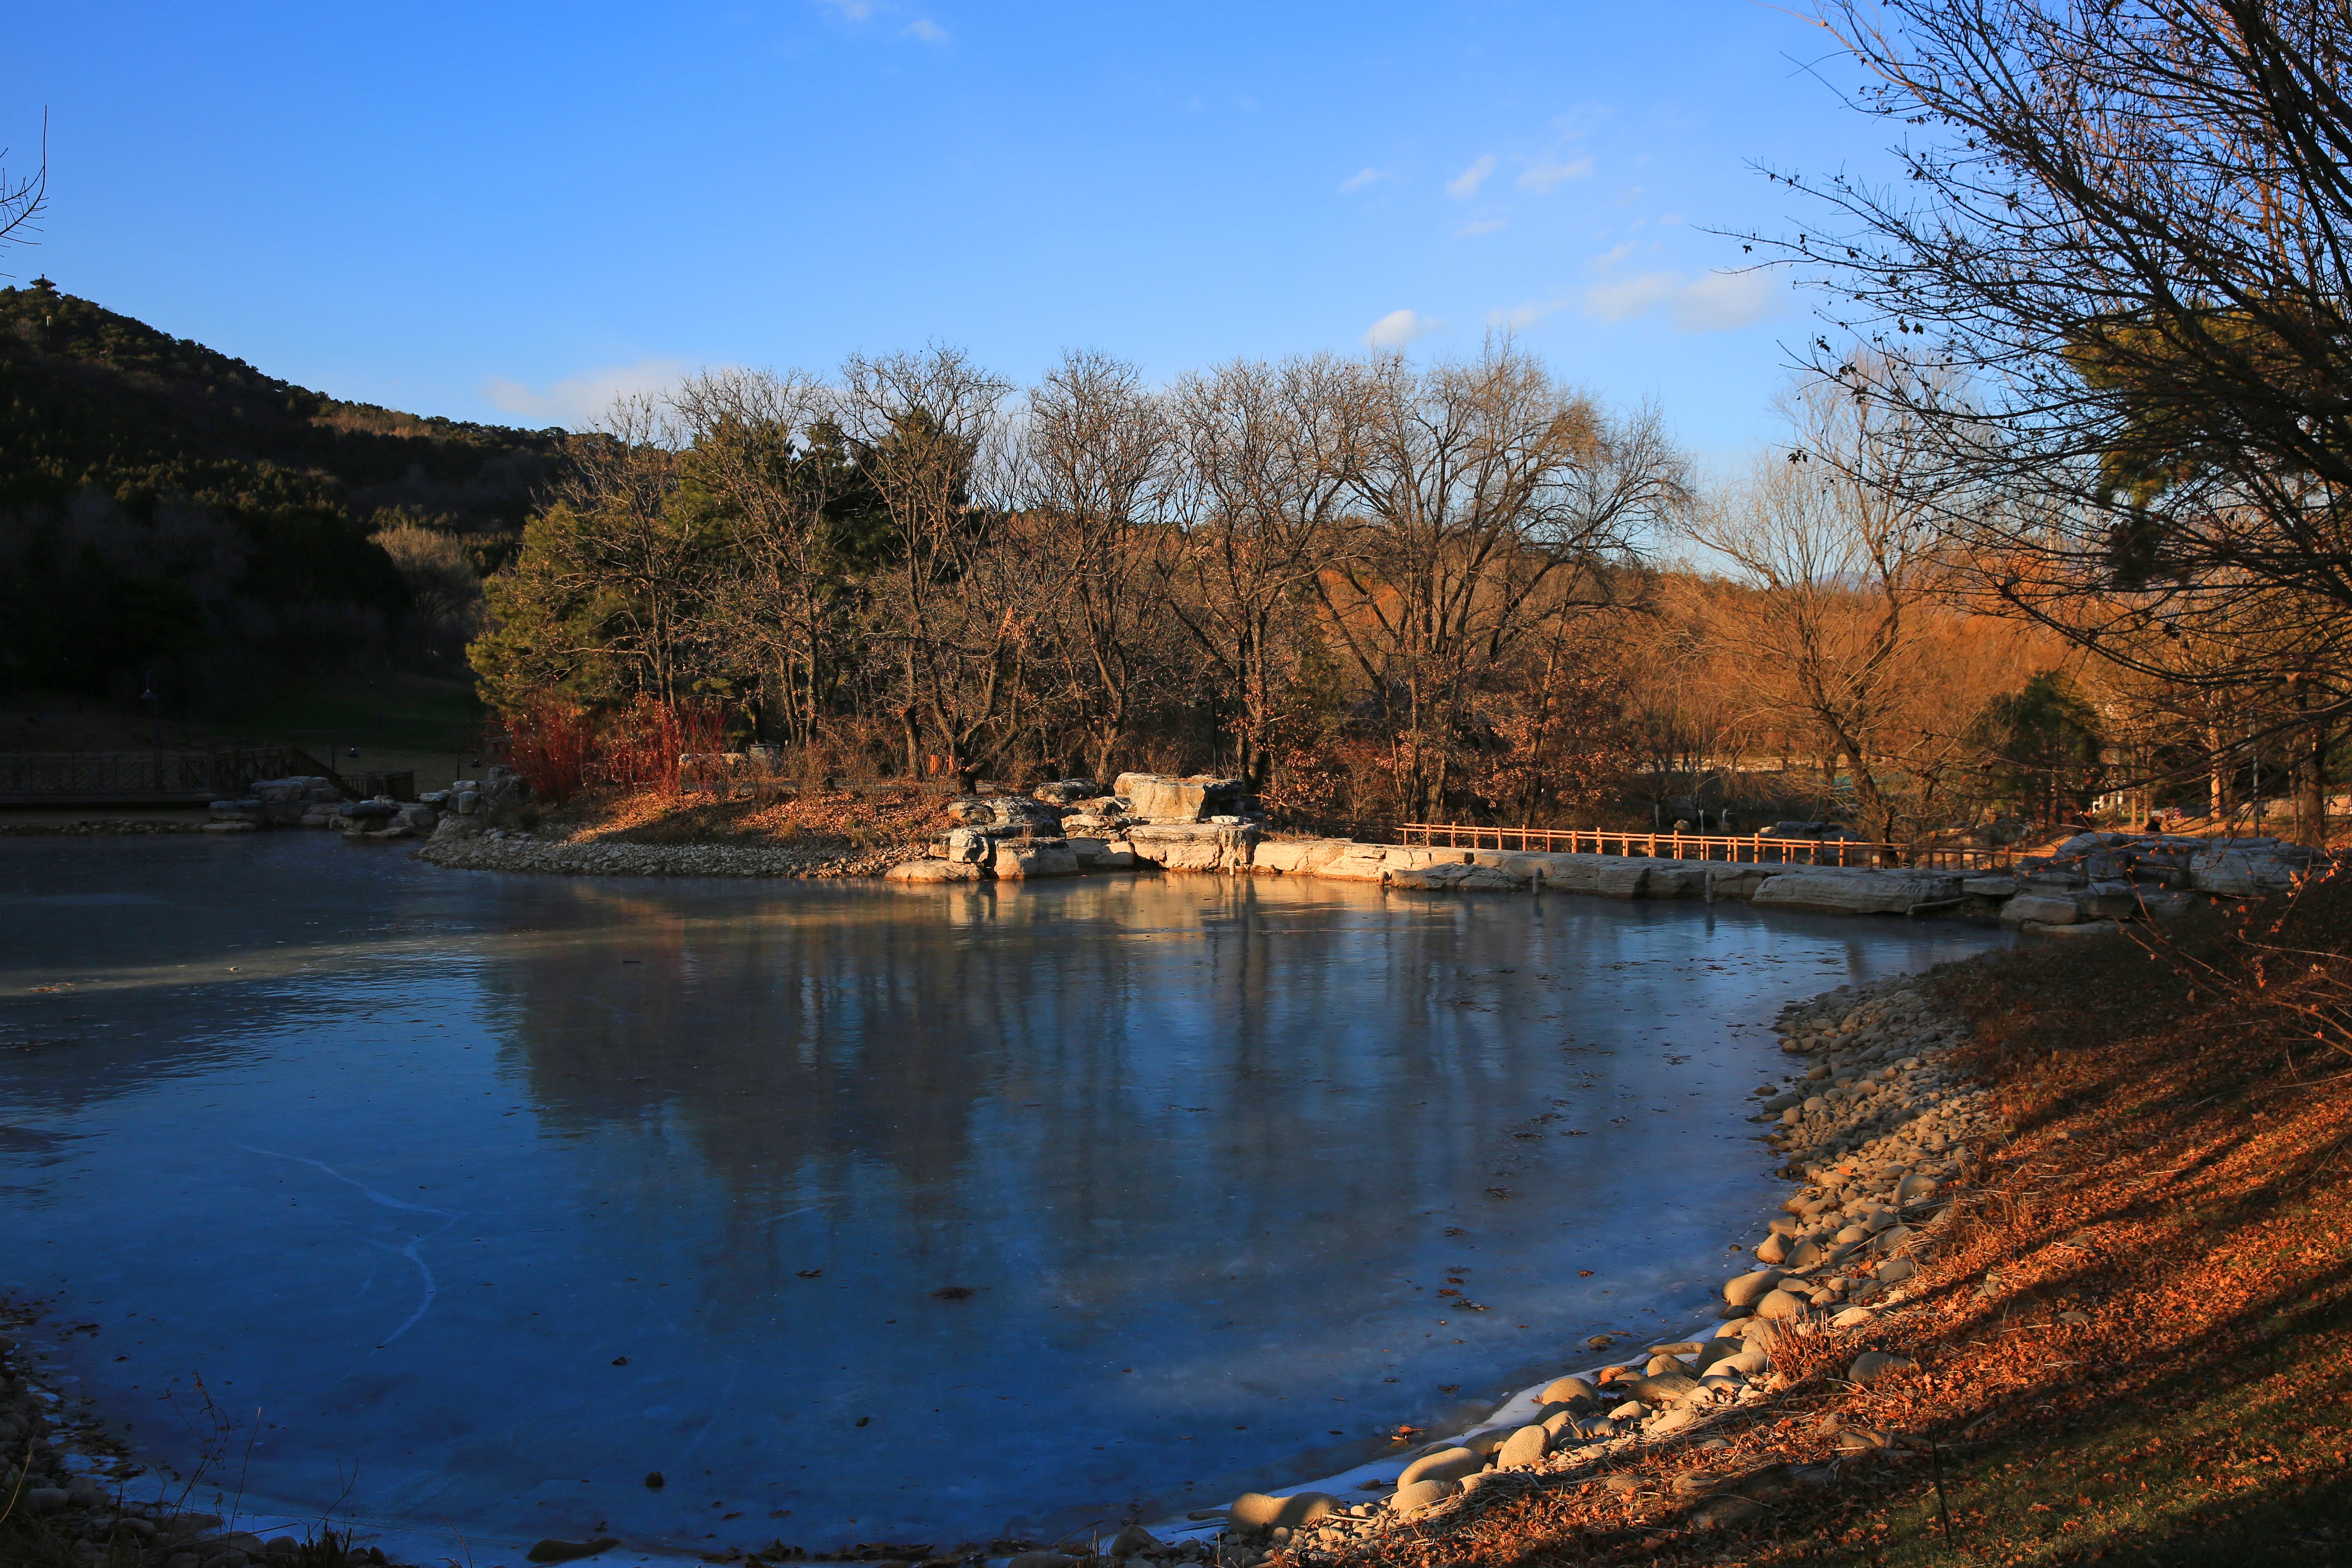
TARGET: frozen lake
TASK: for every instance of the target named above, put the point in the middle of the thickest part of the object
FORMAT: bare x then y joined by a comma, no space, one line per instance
861,1214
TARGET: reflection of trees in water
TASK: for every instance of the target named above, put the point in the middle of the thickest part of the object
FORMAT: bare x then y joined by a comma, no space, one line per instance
1112,1086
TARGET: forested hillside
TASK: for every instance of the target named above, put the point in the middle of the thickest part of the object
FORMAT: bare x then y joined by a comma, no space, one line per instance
163,506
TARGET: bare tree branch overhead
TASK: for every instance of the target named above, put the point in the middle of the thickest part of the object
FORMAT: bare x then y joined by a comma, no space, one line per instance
2111,287
24,198
2112,283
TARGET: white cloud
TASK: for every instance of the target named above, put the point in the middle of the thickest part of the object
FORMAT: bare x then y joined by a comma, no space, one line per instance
1544,176
1713,302
578,401
851,10
1669,220
1480,225
1360,178
929,31
1519,317
1632,296
1465,185
1398,327
1724,302
1613,256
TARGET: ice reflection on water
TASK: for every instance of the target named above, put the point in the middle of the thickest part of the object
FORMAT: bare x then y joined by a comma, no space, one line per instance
494,1193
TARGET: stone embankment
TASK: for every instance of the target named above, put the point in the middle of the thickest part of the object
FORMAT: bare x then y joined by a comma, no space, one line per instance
1873,1127
467,807
2087,885
1149,822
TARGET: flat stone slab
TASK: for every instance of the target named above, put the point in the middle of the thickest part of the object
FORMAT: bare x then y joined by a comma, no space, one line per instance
1857,892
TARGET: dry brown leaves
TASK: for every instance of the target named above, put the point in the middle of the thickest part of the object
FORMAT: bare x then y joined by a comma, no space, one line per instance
826,824
2169,1213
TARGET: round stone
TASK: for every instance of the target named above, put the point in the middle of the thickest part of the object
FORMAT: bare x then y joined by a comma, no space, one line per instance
1423,1494
1446,1465
1256,1511
1568,1391
1524,1447
1871,1365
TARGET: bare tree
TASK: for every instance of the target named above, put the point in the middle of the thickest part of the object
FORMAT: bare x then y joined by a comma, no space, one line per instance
1267,455
639,563
1497,504
761,462
930,435
2112,288
1847,567
1100,448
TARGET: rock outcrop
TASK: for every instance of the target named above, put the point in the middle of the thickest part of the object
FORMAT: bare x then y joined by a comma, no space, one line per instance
1155,797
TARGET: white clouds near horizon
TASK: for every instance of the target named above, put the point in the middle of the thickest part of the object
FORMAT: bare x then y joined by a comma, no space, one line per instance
1360,178
577,401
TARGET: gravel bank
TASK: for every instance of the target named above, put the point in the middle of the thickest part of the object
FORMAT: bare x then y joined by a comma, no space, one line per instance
516,851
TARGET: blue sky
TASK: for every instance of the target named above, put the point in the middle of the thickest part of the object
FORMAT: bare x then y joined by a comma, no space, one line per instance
506,212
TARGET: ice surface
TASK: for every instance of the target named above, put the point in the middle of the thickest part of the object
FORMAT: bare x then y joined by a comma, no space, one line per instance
493,1193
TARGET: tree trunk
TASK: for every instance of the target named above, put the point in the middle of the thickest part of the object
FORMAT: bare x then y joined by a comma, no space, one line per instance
2311,785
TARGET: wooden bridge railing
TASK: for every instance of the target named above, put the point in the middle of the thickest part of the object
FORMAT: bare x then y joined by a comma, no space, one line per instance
97,778
1754,848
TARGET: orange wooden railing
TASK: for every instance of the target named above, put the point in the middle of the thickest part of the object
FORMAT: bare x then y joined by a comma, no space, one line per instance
1757,848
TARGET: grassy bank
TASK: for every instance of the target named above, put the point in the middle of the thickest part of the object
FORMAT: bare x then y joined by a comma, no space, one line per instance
2134,1337
850,821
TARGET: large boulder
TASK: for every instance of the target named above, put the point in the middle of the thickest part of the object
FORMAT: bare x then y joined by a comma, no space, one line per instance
2242,868
1156,797
1297,856
922,872
1570,873
2041,909
1019,812
286,802
1357,863
1100,854
1857,892
1068,792
1621,879
1039,857
1194,847
498,797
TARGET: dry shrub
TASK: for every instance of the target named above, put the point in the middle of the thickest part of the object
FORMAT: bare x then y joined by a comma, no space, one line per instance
561,748
549,744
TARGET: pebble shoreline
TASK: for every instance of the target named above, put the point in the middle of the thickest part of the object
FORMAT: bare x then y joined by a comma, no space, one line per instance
1873,1127
499,850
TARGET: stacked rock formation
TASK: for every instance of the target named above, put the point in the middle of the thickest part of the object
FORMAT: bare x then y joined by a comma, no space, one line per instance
1073,826
277,803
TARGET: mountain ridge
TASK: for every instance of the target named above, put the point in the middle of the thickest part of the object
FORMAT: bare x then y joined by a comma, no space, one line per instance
163,505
